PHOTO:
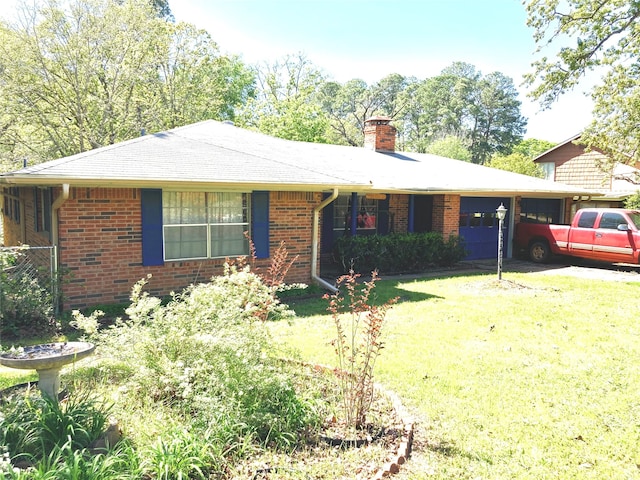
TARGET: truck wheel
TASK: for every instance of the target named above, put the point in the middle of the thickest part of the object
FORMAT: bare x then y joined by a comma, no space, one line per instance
539,252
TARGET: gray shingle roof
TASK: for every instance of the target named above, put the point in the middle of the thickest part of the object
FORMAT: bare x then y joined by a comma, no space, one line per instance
220,155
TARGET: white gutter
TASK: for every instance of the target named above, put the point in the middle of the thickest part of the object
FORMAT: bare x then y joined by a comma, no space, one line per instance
315,274
54,212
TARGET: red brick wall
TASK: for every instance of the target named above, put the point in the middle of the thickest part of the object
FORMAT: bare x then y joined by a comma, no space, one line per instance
399,213
100,246
446,214
379,135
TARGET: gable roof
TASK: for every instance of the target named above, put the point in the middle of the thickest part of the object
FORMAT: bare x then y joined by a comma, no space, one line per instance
219,155
559,145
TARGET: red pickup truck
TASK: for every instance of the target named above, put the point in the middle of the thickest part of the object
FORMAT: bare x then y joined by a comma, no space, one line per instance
605,234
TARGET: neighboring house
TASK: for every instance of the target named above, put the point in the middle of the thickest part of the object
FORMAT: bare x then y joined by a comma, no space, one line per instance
176,203
570,163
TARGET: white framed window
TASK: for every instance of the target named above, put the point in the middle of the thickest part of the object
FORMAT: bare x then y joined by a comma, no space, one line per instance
204,224
549,169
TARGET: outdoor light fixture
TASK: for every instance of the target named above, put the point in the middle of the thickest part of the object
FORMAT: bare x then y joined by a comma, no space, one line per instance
501,213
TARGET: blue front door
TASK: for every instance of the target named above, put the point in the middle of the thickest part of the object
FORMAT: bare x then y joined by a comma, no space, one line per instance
479,226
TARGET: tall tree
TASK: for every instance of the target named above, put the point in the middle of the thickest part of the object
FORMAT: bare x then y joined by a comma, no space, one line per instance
495,113
482,111
80,74
533,147
520,160
592,35
286,104
349,105
196,83
517,163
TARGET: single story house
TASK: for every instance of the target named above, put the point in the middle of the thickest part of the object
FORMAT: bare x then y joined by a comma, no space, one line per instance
177,203
570,163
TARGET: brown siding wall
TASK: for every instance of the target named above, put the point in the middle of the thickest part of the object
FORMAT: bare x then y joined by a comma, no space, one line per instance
24,233
576,167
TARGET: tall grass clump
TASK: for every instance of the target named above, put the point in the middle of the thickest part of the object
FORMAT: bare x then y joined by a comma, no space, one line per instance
41,438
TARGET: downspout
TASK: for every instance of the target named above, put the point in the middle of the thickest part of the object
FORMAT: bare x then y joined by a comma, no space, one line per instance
315,275
55,206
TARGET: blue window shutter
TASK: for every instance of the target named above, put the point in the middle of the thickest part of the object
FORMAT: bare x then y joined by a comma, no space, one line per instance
384,226
260,223
411,213
151,201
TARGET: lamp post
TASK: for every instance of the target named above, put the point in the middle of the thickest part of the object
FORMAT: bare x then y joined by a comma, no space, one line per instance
501,213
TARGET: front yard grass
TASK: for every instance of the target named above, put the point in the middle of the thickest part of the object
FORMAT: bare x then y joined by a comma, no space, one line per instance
534,377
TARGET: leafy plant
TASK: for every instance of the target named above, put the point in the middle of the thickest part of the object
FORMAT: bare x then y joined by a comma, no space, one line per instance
397,253
33,426
206,356
358,343
633,201
181,455
25,303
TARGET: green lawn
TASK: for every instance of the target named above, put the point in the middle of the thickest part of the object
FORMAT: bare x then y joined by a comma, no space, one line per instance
539,378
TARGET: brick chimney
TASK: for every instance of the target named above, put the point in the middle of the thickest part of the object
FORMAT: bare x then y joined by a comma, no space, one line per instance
379,135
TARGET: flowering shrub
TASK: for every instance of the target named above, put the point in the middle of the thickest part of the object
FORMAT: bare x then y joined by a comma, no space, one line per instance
206,352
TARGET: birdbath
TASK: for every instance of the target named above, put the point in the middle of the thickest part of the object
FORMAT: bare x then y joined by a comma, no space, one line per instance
47,359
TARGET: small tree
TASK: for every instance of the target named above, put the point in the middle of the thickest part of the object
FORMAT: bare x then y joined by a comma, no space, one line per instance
517,163
359,327
633,201
450,147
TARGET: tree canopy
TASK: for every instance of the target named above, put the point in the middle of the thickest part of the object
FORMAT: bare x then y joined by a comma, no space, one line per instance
592,35
520,160
80,75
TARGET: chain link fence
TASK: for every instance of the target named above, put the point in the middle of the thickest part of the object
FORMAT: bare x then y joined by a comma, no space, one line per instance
28,284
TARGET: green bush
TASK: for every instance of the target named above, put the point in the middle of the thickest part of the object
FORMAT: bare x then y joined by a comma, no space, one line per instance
25,304
398,252
633,201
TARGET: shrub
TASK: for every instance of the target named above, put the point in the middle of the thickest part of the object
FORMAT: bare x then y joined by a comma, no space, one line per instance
397,253
25,304
633,201
206,355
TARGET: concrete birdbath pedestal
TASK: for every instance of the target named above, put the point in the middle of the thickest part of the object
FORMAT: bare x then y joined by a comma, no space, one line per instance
47,359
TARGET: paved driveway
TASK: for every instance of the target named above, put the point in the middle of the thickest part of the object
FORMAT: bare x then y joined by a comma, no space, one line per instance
568,267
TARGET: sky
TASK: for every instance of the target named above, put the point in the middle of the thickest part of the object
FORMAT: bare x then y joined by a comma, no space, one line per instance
370,39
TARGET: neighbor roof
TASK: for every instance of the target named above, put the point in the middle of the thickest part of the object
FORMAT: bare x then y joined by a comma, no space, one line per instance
219,155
